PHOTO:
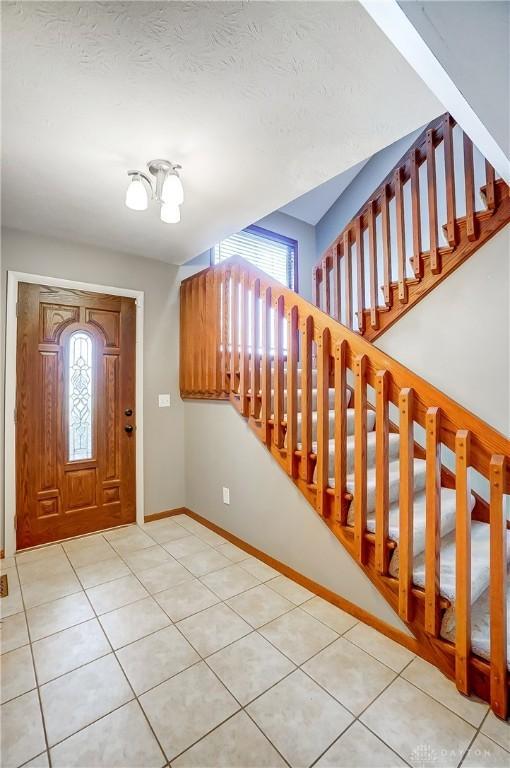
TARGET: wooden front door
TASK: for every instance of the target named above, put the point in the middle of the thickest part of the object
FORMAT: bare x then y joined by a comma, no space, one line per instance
75,413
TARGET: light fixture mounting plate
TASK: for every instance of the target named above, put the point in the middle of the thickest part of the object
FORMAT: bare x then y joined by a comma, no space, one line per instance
156,166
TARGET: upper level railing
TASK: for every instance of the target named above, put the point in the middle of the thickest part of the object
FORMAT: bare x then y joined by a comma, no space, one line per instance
428,215
242,337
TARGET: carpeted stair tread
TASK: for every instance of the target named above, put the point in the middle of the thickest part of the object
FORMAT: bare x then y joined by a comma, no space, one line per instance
480,625
393,451
331,413
448,515
480,562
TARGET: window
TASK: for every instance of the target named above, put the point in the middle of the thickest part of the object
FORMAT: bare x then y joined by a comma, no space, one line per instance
80,396
270,252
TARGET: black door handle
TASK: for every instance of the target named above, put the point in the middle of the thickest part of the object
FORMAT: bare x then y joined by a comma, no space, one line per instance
128,428
128,412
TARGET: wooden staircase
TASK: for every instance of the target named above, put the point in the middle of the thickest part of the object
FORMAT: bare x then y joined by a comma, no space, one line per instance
392,253
330,406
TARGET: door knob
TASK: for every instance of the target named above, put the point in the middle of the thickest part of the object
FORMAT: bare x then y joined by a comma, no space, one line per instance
128,428
128,412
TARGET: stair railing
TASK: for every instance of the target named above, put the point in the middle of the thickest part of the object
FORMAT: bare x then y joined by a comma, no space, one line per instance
247,338
393,251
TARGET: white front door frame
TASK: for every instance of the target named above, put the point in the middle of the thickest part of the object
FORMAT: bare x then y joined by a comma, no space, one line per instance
13,279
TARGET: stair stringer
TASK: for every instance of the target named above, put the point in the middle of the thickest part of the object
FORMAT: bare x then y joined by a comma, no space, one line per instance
437,651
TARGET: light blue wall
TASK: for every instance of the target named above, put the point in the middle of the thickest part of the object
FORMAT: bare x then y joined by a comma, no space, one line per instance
359,191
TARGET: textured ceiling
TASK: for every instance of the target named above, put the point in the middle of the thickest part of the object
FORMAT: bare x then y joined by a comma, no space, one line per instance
260,102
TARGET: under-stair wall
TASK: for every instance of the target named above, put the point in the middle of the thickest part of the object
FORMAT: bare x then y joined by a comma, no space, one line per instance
266,509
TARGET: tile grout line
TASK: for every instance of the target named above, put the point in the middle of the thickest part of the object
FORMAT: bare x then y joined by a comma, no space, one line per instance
127,680
202,659
223,601
37,688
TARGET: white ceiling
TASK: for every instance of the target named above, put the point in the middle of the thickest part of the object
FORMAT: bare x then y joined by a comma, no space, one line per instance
312,206
260,102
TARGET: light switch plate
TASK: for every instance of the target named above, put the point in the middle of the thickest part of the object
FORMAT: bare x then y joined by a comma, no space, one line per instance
226,495
164,401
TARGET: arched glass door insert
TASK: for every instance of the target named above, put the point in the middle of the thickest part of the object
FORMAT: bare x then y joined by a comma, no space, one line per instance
80,403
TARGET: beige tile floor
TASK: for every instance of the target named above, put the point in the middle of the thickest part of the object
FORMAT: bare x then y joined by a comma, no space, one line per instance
170,646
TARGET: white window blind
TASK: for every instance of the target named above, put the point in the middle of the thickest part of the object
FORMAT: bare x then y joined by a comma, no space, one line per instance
269,252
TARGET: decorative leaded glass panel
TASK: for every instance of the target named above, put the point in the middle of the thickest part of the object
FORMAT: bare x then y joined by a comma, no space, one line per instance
80,396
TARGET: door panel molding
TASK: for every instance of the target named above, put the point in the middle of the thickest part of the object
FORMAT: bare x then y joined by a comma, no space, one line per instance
13,280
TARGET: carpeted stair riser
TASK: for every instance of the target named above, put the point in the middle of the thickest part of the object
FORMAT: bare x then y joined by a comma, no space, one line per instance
350,424
393,451
448,515
480,532
480,624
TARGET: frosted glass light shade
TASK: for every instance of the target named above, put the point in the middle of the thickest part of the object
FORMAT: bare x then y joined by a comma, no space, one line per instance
173,191
170,214
136,195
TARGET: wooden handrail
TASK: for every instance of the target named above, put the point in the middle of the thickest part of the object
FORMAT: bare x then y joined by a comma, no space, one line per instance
486,441
278,358
396,291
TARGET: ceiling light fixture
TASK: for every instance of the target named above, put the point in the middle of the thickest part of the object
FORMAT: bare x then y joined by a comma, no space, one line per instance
166,189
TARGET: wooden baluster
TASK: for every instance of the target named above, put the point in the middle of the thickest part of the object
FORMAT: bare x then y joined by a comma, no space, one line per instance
469,176
406,504
337,277
451,212
188,350
497,591
386,242
316,287
372,249
435,263
217,375
360,457
490,191
234,351
255,346
327,284
323,371
340,431
183,324
416,207
209,332
463,562
204,332
292,358
225,328
195,348
348,279
360,259
265,383
433,520
244,359
306,398
278,372
382,501
401,237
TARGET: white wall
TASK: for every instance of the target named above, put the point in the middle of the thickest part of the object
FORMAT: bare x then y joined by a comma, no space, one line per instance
266,509
163,429
458,336
471,40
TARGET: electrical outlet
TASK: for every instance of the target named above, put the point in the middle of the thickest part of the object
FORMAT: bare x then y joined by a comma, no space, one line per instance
226,495
164,401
